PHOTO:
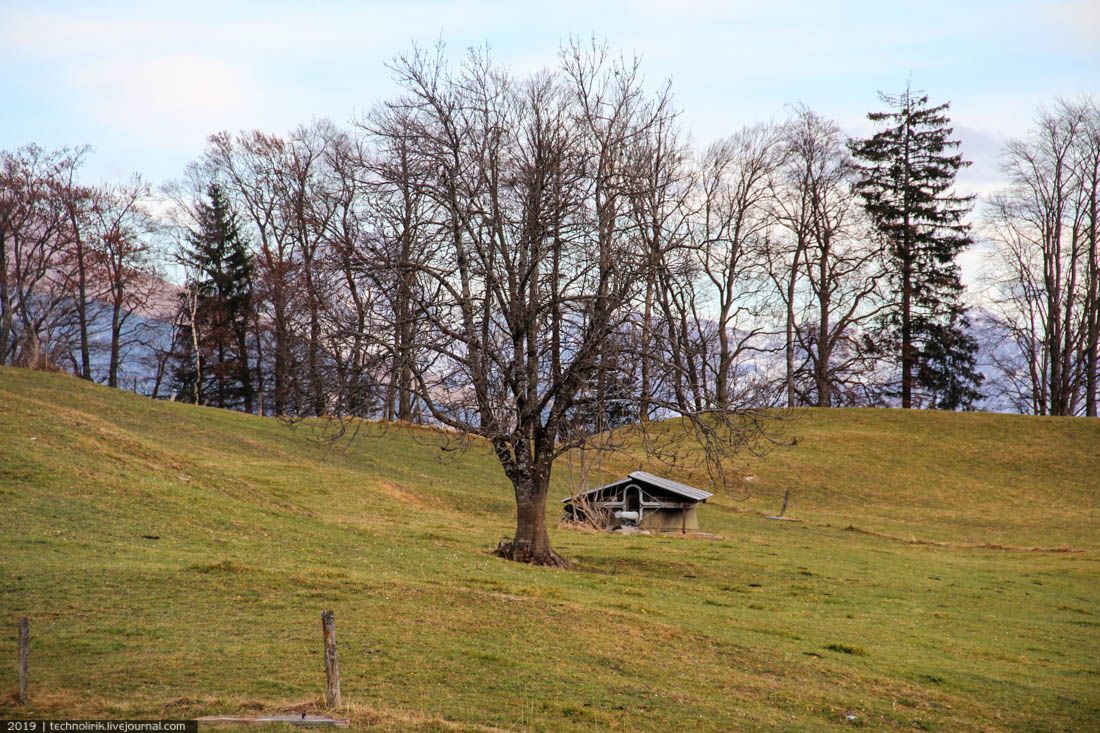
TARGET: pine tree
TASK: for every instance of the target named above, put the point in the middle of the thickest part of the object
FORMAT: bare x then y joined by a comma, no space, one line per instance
216,305
906,182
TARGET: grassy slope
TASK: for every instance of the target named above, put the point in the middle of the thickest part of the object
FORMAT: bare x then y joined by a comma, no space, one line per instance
780,625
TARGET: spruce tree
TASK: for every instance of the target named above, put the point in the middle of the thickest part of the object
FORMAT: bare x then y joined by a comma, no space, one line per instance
906,182
217,304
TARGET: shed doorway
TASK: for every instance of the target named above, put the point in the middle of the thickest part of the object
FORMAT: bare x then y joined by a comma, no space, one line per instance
633,498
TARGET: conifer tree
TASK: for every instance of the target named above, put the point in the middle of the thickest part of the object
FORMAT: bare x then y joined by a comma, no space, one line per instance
215,309
906,182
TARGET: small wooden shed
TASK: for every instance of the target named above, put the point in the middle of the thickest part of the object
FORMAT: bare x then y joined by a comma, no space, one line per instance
645,501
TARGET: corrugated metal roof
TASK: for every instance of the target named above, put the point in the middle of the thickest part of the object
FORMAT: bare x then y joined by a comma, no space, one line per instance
674,486
598,489
667,484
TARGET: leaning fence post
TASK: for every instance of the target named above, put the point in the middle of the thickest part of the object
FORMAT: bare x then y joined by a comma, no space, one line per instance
332,667
24,657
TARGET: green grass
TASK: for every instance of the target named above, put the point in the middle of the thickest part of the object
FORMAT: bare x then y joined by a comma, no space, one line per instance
944,577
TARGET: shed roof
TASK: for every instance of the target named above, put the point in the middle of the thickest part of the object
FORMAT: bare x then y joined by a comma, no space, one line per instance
673,487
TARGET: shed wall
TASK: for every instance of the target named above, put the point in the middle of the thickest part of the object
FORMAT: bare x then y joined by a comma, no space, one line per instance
671,520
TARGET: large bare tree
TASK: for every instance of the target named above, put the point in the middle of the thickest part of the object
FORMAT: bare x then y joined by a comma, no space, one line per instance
1045,275
36,260
531,268
729,233
827,267
119,234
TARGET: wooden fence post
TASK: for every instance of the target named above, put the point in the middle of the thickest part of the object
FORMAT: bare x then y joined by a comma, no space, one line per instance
24,657
332,667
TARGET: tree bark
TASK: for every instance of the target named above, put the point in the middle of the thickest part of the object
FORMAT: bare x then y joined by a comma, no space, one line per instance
261,388
532,541
193,311
82,303
1092,309
792,283
824,347
907,354
5,299
243,370
116,338
906,335
282,353
332,664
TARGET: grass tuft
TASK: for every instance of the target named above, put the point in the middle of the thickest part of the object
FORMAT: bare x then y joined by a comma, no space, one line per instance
221,567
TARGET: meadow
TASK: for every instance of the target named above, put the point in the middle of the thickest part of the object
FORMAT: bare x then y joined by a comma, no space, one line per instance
174,560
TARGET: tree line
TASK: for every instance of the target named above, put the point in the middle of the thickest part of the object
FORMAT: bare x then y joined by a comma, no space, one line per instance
784,264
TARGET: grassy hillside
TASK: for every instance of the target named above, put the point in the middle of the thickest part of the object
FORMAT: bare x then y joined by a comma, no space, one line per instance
945,576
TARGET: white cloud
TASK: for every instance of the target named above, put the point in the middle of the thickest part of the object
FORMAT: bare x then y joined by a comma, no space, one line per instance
169,101
145,78
1079,22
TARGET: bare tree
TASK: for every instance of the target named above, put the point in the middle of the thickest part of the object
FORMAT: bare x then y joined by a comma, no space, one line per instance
530,268
402,239
305,217
1088,172
78,200
253,169
659,200
1045,274
121,228
828,259
729,233
35,256
352,325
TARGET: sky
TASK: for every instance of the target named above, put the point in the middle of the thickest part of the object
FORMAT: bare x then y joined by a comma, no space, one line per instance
145,83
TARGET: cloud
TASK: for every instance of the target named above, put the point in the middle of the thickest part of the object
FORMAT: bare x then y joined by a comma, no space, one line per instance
983,149
170,101
140,79
1078,21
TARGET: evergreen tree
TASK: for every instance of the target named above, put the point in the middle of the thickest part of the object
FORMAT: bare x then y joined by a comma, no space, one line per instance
906,182
215,310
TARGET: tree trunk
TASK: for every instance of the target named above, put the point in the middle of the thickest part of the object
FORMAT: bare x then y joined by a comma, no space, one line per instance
282,360
221,373
821,367
906,337
5,300
243,370
644,355
260,385
82,307
158,379
1092,352
316,383
1092,309
193,307
403,335
532,542
725,359
824,346
116,338
908,246
792,285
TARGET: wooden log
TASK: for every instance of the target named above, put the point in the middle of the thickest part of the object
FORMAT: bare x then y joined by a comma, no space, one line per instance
301,721
783,510
24,657
332,666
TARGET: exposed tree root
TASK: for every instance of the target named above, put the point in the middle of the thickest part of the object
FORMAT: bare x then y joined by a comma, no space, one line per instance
523,552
